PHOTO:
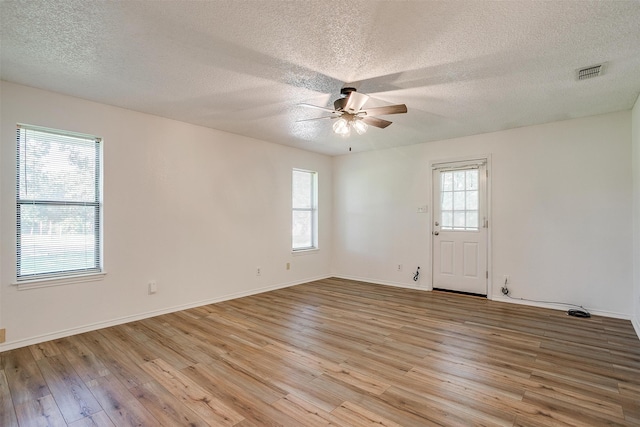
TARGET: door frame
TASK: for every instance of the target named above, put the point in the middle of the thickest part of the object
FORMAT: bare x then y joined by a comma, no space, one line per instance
462,160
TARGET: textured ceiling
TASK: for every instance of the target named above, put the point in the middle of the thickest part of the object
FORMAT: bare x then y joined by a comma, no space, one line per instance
461,67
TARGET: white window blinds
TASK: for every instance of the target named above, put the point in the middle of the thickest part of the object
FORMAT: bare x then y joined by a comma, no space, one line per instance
58,203
304,203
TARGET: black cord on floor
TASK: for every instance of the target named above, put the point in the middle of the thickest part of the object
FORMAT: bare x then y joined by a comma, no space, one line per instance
549,302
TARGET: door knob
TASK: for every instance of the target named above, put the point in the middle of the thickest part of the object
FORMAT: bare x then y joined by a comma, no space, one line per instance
435,233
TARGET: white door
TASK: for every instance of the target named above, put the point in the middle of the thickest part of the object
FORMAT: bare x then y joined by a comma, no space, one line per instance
460,227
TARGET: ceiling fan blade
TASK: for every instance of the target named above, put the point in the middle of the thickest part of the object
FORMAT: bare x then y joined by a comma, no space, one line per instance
389,109
355,102
318,107
317,118
374,121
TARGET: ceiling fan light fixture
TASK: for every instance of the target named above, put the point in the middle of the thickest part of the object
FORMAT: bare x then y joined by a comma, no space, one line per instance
359,126
341,127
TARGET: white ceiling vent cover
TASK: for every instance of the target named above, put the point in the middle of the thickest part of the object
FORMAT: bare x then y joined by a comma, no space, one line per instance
589,72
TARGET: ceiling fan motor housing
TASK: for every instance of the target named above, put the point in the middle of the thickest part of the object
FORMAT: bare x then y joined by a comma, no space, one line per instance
339,103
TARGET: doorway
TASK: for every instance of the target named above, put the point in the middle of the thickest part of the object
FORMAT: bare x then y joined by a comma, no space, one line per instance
460,227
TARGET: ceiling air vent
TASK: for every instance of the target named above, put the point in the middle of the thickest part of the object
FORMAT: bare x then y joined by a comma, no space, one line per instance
589,72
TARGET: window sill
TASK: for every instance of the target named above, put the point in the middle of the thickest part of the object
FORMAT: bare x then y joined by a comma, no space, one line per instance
304,251
59,281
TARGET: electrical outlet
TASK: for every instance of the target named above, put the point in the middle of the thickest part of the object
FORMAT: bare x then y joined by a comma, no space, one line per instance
153,287
288,266
258,271
399,267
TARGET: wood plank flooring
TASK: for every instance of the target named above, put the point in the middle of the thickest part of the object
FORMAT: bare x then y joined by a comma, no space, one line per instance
333,352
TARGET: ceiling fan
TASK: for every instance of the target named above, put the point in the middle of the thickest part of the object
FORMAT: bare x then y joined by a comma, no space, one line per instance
348,110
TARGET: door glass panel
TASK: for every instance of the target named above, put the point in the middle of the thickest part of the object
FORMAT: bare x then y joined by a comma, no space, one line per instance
472,219
447,201
458,220
447,181
472,179
458,180
447,219
459,200
472,200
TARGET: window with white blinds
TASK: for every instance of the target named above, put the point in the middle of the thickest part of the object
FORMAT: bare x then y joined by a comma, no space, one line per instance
305,210
59,203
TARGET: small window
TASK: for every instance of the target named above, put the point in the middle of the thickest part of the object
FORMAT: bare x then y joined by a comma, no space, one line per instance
459,200
59,203
305,210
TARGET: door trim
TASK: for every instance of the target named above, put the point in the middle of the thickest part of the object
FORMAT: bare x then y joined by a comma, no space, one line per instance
464,160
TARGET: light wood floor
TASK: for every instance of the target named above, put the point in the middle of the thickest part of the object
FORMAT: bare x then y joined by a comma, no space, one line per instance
333,352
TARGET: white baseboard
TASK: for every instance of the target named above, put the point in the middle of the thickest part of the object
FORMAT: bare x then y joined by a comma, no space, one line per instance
416,287
500,298
139,316
635,321
614,315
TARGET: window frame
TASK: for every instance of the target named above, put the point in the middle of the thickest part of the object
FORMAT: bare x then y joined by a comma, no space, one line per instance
456,164
312,209
54,278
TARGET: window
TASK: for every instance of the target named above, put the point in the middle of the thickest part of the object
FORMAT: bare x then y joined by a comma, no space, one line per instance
305,210
459,200
59,203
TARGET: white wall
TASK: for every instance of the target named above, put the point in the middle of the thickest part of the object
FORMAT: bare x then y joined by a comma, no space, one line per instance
561,211
635,125
193,208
